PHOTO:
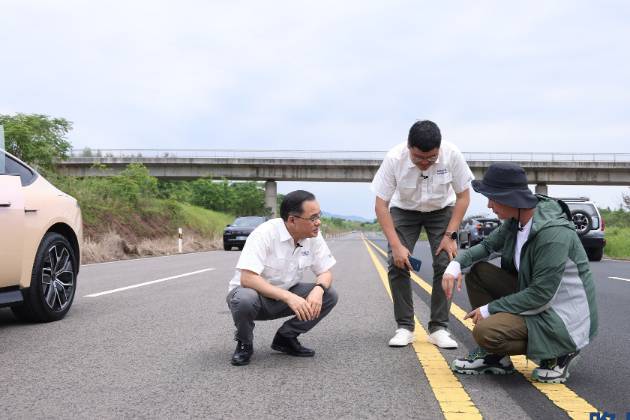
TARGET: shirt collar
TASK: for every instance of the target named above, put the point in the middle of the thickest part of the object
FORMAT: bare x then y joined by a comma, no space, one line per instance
283,231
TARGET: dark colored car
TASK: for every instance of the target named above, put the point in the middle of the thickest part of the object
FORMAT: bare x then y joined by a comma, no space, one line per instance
236,234
589,226
473,229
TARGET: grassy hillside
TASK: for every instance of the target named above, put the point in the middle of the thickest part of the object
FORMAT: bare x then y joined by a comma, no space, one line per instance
124,217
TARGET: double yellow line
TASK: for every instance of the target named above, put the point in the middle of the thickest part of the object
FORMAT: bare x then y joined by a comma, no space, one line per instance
450,394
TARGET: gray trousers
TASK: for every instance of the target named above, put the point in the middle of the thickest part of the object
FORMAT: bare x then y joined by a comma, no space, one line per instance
408,224
247,306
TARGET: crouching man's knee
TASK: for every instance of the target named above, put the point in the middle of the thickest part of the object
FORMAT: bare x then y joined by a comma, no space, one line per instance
245,302
330,298
488,337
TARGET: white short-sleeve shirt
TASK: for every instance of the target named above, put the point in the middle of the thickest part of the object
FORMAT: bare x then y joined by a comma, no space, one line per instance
400,182
271,252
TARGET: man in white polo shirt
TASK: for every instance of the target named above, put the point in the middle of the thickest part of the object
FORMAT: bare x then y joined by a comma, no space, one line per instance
268,279
422,182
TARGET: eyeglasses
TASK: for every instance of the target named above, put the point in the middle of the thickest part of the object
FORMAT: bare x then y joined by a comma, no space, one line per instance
314,218
431,159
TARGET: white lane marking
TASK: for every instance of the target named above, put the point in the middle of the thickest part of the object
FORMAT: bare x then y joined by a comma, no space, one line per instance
619,278
133,286
143,258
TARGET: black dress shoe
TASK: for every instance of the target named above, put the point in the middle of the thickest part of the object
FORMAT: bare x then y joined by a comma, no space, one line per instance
290,346
242,354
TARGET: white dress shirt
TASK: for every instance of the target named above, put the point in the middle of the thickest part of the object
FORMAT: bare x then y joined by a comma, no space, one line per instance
271,252
404,185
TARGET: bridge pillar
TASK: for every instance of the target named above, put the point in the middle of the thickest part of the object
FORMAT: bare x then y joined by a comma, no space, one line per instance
271,196
542,189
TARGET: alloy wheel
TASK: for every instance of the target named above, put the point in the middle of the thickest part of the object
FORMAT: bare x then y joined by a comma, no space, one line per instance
58,277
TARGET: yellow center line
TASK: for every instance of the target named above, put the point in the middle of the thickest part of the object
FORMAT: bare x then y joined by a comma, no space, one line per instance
574,405
454,401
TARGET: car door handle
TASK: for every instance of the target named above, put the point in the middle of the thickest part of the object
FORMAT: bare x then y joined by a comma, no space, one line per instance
30,210
5,204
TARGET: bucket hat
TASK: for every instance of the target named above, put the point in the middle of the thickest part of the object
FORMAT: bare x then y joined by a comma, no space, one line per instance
506,183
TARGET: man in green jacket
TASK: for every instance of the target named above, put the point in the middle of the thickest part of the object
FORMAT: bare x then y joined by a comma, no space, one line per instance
541,301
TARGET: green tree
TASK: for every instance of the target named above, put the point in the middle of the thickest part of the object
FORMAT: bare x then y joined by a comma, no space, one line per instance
248,199
36,139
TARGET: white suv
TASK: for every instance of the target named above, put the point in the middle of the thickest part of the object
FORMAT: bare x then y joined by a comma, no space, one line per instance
40,254
589,225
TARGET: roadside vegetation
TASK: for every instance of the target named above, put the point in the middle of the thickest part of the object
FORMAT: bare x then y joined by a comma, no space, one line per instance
617,231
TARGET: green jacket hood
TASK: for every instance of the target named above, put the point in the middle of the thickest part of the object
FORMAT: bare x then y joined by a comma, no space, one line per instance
548,213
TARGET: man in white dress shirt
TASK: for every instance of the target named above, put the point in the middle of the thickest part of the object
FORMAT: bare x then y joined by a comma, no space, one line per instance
268,279
422,182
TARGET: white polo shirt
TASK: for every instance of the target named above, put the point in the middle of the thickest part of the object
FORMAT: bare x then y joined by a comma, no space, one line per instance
399,181
270,252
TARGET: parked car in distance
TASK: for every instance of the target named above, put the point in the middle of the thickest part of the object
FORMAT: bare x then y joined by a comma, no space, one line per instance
589,225
39,246
236,234
473,229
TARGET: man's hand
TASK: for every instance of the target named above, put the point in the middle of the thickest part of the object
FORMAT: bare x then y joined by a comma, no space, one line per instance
448,281
400,254
300,307
474,315
314,300
449,245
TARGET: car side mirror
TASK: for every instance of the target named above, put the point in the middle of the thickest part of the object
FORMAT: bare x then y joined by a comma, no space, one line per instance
228,225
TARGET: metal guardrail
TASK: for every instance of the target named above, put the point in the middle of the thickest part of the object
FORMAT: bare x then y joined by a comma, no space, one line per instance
339,155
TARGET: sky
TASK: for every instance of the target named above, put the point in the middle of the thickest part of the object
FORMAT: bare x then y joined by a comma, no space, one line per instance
496,76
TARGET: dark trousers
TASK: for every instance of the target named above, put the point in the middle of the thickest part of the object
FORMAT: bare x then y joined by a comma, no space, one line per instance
500,333
247,306
408,224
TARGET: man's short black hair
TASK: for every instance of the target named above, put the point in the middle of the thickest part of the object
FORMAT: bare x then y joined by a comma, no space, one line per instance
292,203
424,135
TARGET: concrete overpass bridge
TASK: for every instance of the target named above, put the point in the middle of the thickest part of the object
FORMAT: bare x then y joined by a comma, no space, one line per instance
271,166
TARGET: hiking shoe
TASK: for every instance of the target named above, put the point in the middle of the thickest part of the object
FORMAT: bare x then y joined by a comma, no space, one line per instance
555,371
480,361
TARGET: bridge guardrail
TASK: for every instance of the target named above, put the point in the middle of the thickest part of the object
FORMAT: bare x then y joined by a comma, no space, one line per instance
339,154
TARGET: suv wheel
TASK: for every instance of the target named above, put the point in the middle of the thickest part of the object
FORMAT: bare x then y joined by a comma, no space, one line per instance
582,222
53,281
227,247
595,254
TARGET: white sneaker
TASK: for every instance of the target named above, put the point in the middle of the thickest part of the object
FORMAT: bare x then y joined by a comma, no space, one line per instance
402,338
442,339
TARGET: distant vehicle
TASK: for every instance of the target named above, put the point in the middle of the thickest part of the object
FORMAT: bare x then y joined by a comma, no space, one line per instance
589,225
39,246
236,234
473,229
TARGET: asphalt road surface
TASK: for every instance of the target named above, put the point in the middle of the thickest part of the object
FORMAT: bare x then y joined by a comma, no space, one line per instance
152,338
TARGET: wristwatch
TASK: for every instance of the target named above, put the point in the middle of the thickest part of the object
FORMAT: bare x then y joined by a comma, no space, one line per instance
452,235
322,286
